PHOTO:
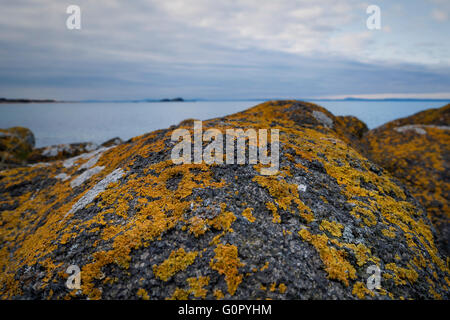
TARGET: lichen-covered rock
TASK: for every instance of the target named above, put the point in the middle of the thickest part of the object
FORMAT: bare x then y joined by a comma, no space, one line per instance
141,227
112,142
64,151
354,128
416,150
60,151
15,145
308,115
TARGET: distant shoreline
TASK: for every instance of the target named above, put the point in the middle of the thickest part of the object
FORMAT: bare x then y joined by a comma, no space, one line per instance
22,100
4,100
349,99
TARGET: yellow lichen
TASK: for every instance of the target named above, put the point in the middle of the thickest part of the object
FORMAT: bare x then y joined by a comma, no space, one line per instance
276,217
197,226
196,286
178,260
142,293
360,290
218,294
226,262
334,228
334,260
247,213
179,294
402,274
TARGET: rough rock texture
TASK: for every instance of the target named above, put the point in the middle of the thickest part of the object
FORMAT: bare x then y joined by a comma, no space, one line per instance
139,226
416,150
15,145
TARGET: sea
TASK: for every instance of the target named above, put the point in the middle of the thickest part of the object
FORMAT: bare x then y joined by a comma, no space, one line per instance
56,123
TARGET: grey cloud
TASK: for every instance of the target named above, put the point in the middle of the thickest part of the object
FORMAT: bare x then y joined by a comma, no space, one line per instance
141,49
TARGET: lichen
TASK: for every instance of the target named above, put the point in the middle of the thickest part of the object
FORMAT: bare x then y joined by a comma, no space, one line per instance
247,213
227,263
334,260
334,228
142,293
196,286
178,260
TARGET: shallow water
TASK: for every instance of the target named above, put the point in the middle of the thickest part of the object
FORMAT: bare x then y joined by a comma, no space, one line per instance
55,123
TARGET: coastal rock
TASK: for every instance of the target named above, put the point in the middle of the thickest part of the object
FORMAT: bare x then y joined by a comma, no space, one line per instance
112,142
416,150
65,151
352,126
60,151
141,227
15,145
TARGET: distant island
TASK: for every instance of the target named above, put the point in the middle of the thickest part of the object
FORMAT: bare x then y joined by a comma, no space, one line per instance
172,100
4,100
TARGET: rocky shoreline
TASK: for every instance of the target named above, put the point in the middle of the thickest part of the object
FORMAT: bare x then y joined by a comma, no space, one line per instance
139,227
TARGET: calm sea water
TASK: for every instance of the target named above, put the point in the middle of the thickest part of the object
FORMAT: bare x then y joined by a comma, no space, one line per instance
56,123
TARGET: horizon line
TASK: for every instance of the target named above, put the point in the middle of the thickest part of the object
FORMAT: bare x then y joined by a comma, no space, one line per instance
151,100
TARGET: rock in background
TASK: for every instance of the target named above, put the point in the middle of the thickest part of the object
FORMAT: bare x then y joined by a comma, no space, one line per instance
15,146
64,151
416,150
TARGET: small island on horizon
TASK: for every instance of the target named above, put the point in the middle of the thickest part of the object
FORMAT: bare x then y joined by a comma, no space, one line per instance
178,99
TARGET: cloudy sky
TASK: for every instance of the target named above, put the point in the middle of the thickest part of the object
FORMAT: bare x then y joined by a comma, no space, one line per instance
224,49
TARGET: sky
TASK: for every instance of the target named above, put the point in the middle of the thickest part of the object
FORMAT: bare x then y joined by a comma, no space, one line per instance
224,49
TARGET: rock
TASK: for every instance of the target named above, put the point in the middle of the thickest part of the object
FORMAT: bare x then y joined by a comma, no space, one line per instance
349,129
352,126
416,150
172,100
65,151
60,151
112,142
143,227
15,145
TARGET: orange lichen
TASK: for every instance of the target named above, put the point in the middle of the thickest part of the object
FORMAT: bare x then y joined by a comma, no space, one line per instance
218,294
197,226
179,294
226,262
178,260
276,217
142,293
224,220
247,213
334,228
265,266
196,286
360,290
334,260
284,194
273,286
402,274
389,233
